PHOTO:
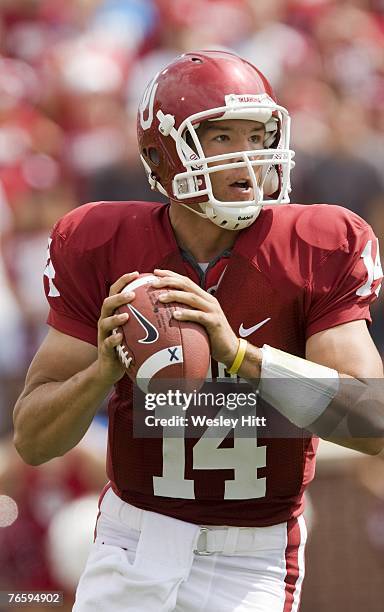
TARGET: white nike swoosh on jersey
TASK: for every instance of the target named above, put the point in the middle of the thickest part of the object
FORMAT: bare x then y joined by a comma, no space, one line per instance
245,332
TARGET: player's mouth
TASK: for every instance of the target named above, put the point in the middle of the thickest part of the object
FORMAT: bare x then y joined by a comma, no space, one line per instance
242,185
242,188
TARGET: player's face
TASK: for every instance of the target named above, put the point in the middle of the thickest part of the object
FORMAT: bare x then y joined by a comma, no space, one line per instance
223,137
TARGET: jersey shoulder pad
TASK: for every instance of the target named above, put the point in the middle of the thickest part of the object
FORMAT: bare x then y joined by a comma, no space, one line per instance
329,227
94,224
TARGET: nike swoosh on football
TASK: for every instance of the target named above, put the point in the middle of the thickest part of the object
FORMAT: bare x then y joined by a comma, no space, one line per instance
151,331
245,332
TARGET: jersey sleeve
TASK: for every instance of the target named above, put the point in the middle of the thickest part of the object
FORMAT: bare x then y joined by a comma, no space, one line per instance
347,281
73,285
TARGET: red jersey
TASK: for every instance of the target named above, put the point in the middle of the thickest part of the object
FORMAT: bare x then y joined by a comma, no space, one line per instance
298,269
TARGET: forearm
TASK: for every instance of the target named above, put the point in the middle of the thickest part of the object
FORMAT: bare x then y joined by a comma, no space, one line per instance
52,418
352,416
355,417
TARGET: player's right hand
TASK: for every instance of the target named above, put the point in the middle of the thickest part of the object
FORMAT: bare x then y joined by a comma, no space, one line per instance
109,365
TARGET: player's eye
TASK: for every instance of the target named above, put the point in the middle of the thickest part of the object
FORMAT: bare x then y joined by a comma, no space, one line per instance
256,138
221,138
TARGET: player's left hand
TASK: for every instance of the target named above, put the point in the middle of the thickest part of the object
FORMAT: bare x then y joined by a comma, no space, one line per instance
205,309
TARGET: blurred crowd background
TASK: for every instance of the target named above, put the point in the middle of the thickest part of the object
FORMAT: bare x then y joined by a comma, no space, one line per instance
71,76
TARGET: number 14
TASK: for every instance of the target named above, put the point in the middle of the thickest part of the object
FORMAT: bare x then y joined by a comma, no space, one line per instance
245,457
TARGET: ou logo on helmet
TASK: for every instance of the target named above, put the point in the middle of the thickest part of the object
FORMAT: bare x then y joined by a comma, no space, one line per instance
146,104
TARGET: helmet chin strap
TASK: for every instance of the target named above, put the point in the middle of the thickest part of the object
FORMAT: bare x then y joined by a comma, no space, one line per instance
232,219
201,214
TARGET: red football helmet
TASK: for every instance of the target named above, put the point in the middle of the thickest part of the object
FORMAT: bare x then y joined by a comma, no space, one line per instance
212,85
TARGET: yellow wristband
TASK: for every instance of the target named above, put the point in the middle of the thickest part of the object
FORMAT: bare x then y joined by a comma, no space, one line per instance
239,358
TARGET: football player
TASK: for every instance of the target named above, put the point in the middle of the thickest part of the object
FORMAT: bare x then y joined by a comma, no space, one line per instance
283,291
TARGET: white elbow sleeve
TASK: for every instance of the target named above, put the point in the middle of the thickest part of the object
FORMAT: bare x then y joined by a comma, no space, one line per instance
299,389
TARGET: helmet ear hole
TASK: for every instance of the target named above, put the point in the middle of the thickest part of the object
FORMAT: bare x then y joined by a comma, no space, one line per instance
154,156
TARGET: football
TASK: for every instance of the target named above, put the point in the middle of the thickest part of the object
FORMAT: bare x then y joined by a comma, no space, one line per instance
156,347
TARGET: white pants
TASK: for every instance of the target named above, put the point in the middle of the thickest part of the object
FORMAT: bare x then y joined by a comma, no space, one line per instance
147,562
